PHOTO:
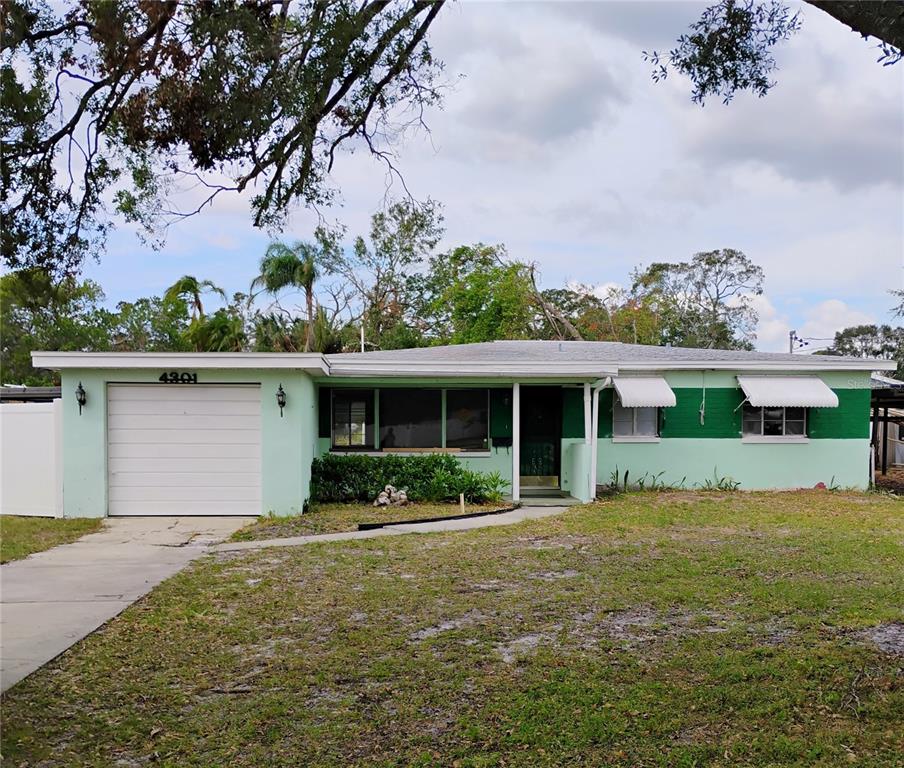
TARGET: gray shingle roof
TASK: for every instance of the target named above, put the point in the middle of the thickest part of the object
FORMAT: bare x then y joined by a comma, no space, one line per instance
576,351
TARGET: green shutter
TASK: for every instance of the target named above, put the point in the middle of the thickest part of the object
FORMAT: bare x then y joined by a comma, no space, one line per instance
604,428
572,412
501,414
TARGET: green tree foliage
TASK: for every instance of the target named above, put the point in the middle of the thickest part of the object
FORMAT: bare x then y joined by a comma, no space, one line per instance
705,302
381,273
473,294
729,48
37,313
137,100
882,341
296,266
150,325
191,290
223,331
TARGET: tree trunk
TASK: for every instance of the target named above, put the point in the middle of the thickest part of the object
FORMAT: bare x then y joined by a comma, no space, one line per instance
883,19
552,311
309,331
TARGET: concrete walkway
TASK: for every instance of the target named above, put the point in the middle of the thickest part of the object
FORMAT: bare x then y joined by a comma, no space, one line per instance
487,521
51,600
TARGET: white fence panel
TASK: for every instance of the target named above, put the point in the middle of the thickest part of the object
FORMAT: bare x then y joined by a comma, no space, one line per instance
31,457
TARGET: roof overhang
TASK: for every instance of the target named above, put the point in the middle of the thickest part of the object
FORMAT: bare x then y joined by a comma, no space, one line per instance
787,392
821,363
56,361
578,371
644,392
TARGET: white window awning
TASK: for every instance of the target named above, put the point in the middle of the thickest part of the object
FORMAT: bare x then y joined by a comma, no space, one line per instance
788,392
644,392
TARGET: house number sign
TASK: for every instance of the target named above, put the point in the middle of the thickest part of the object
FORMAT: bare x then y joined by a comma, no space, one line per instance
178,377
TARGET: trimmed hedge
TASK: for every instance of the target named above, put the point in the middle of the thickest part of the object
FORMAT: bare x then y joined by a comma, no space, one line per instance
431,477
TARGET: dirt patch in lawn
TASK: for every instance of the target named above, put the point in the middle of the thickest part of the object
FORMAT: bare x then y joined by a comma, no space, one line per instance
888,638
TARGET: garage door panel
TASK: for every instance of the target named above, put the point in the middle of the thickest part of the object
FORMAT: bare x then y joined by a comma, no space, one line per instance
160,393
214,492
184,421
249,464
187,451
177,437
177,407
196,479
177,508
183,450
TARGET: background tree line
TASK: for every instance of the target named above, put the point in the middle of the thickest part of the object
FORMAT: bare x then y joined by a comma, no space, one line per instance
394,284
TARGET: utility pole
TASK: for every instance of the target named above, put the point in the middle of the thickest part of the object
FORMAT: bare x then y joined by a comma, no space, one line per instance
791,336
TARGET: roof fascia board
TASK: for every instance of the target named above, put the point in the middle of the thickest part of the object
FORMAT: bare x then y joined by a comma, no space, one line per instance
315,363
451,369
761,365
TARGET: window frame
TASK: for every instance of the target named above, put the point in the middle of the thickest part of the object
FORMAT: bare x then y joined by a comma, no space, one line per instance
784,437
445,418
373,427
367,396
634,437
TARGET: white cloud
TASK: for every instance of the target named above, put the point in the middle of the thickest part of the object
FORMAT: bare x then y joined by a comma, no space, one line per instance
827,317
772,328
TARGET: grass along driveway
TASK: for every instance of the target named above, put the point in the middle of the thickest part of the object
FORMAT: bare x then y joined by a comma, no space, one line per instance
677,629
339,518
23,536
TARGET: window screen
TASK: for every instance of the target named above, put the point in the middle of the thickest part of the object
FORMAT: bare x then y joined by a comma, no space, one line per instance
352,418
410,418
467,419
634,422
774,422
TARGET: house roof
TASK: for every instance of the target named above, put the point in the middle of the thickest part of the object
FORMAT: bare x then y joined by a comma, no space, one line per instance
551,355
579,360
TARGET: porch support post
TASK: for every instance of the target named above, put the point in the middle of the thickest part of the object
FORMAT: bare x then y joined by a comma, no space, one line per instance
594,441
588,415
516,442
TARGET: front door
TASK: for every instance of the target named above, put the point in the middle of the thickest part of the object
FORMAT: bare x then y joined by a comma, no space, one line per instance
541,436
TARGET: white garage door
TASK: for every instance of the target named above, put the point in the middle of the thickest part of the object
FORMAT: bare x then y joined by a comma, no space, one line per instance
184,449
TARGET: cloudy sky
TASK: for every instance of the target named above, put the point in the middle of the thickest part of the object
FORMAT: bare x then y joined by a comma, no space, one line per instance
554,141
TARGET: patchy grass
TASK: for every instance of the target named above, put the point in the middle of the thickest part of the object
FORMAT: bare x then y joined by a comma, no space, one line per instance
23,536
338,518
675,629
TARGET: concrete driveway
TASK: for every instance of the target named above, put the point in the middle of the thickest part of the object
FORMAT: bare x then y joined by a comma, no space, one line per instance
51,600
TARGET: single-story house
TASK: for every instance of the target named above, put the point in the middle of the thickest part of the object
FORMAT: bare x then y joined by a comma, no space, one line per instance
236,433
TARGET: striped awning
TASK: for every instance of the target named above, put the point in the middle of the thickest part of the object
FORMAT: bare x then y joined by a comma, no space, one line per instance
788,392
644,392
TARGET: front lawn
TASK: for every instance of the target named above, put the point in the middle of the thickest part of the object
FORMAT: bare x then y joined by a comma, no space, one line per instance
675,629
338,518
22,536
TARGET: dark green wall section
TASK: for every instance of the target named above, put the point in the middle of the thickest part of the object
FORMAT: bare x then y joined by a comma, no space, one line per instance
722,417
849,420
501,414
572,412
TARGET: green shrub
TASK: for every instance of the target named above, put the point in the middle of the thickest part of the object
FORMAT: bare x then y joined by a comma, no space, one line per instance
431,477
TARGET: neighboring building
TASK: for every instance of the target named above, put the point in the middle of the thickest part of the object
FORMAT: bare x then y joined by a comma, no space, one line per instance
171,434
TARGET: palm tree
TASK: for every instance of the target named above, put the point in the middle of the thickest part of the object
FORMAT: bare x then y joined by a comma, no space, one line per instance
223,331
190,289
283,266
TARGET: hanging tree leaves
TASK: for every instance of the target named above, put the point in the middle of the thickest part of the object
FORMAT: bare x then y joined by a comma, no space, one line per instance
133,103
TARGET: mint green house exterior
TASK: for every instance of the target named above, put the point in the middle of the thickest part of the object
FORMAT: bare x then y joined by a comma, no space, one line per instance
236,433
